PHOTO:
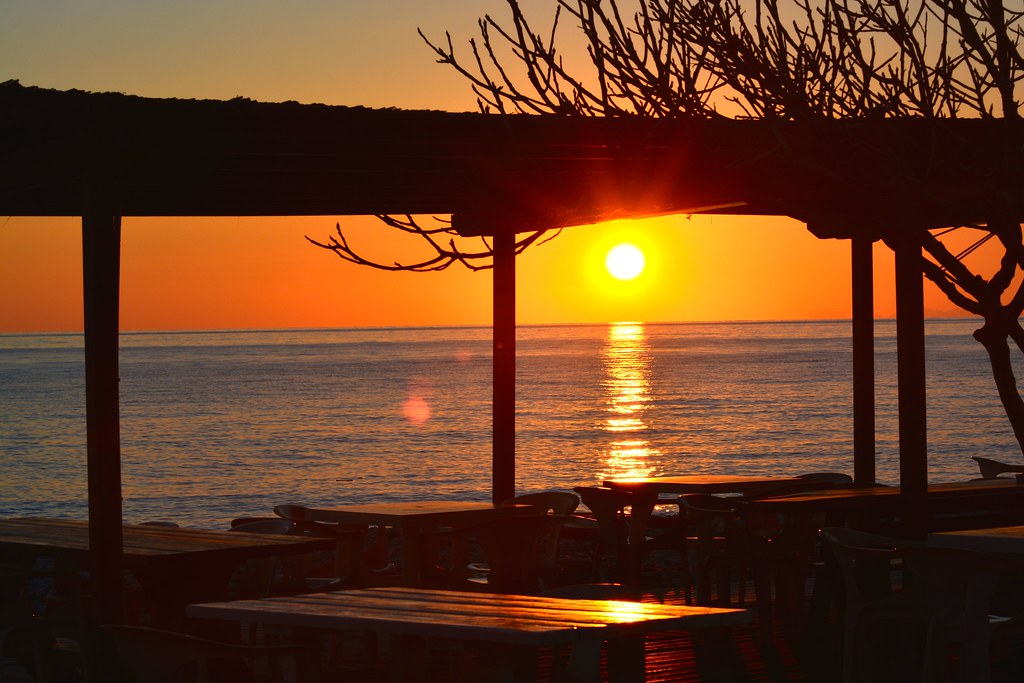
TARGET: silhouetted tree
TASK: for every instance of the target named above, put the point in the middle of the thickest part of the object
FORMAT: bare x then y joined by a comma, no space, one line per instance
777,60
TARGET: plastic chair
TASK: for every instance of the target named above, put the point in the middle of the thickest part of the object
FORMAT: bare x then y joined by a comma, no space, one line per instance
958,589
621,534
736,547
874,590
517,554
351,555
560,503
155,656
722,553
990,469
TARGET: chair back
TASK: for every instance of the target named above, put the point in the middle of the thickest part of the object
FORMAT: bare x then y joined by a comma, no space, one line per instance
521,552
290,511
561,503
990,469
609,507
874,588
350,553
870,565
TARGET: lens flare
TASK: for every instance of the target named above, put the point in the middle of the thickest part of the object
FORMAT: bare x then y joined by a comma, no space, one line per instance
416,410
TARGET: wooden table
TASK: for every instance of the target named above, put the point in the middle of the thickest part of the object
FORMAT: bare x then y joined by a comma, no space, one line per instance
854,498
517,624
949,504
649,489
1003,540
701,483
414,519
174,566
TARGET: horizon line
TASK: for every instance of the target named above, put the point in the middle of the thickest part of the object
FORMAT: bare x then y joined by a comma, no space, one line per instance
740,321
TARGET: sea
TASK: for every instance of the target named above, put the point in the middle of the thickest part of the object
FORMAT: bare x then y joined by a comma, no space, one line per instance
225,424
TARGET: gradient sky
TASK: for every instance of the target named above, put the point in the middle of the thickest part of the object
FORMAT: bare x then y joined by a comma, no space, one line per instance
230,273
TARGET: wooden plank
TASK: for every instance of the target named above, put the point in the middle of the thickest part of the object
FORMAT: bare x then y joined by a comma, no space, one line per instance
591,614
484,628
70,538
486,622
491,617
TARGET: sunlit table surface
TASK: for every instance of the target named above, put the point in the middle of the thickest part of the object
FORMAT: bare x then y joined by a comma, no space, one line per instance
413,519
700,483
517,623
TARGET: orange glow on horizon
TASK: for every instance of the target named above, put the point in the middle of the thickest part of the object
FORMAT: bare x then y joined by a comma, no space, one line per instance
253,273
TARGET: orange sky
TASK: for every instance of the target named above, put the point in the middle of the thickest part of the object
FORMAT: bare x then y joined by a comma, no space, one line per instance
227,273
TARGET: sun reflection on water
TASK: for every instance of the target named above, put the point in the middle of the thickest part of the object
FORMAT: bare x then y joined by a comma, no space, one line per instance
626,361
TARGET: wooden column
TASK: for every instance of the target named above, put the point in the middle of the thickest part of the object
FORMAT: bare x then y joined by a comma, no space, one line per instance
910,356
503,476
101,245
863,360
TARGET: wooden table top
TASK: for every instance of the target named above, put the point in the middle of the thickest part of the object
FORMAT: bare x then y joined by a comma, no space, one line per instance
1002,539
846,498
700,483
70,538
510,619
438,513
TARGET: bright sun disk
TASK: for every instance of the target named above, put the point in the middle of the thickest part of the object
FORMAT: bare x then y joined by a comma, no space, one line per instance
625,262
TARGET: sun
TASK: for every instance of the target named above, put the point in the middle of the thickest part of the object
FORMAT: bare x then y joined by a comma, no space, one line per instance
625,261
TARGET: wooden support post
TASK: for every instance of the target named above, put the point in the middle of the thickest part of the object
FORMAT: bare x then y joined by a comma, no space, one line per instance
503,482
863,360
910,356
101,244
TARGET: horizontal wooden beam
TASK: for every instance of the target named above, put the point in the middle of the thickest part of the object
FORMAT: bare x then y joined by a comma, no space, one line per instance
496,173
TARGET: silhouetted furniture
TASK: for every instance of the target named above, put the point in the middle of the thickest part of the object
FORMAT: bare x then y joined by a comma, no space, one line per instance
561,503
174,566
518,554
958,588
875,590
622,519
979,502
990,469
155,656
653,487
43,626
526,551
417,521
351,558
595,591
512,626
292,573
735,546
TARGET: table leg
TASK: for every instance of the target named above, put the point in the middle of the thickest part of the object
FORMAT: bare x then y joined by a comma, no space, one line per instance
639,518
585,661
407,657
626,661
412,543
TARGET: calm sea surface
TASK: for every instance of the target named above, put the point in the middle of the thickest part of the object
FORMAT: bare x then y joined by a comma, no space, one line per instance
223,424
